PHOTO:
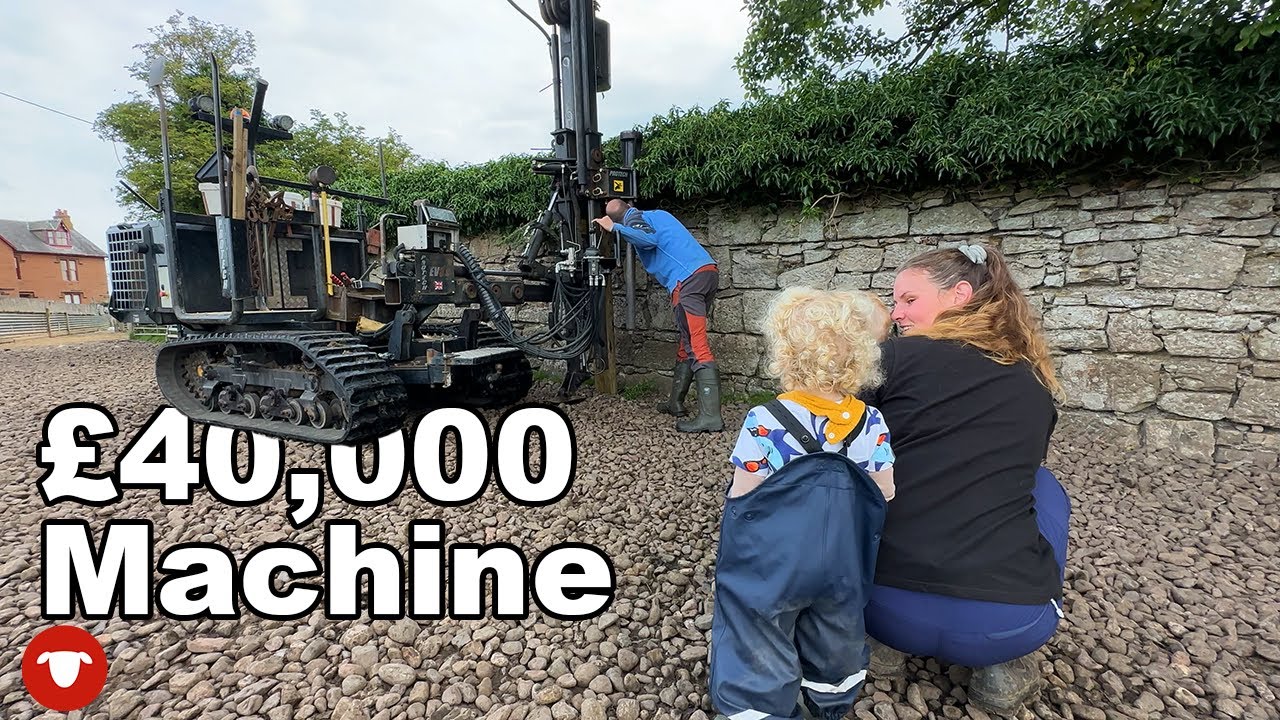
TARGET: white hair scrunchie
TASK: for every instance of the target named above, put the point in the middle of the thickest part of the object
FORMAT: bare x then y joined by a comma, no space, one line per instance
975,253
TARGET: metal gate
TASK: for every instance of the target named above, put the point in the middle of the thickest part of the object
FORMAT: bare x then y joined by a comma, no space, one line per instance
50,323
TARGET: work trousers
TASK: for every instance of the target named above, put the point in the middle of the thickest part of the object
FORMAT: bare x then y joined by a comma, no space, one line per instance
976,633
794,569
690,301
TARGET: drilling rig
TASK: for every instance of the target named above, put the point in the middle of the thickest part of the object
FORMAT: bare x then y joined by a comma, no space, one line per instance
293,326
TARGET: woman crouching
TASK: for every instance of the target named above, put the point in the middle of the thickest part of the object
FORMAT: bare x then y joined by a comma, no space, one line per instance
973,552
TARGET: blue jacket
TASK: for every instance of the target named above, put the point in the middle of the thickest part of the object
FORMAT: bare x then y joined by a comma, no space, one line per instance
664,246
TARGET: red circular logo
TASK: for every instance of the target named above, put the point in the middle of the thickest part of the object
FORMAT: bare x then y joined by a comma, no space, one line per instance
64,668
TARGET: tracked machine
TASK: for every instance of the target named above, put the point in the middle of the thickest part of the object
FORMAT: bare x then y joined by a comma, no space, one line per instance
291,325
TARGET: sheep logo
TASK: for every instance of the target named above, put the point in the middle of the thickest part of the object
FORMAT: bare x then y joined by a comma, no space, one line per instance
64,668
64,665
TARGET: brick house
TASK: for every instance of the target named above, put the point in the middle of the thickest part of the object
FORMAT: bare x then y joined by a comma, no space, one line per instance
50,260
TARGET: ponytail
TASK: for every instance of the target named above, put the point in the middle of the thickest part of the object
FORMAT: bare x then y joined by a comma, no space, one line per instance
998,319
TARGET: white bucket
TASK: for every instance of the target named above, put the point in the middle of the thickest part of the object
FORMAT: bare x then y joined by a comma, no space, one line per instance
213,203
212,198
335,211
295,200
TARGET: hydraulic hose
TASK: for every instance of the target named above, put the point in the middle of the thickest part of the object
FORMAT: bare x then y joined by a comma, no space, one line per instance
502,322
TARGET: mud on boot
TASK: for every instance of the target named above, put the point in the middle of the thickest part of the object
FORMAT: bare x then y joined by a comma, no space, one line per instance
1004,688
708,419
886,663
681,378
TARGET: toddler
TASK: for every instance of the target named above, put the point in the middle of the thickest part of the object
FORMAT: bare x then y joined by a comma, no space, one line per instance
813,471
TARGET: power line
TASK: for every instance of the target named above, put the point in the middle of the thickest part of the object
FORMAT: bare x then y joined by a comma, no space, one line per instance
114,148
42,107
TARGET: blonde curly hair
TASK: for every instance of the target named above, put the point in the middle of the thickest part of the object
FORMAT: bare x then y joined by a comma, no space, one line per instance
825,340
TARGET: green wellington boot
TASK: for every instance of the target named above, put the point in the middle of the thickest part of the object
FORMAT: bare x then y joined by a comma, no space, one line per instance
708,419
681,378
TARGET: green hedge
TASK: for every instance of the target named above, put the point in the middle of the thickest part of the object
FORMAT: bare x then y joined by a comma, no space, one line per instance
956,120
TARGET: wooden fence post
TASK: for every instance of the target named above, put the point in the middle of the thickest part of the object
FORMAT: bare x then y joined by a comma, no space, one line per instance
48,321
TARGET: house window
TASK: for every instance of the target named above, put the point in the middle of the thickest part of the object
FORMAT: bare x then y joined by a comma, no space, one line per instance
26,294
58,238
69,271
17,265
73,298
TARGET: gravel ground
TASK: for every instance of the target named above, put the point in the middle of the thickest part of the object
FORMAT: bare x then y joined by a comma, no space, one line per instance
1171,604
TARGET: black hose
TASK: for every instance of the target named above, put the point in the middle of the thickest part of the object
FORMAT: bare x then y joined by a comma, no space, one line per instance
573,348
530,19
496,313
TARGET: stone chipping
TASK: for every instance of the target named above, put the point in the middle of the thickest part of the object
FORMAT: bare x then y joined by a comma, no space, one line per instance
1171,590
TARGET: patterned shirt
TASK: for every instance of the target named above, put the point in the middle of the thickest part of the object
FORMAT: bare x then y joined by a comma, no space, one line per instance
764,445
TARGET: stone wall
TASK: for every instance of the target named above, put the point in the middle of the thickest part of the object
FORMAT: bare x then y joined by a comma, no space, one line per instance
1161,299
36,305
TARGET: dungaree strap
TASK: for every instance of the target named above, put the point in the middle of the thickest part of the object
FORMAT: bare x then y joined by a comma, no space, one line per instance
806,438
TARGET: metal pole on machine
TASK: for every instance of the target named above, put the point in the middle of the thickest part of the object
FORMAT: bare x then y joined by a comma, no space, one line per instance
155,80
583,184
598,255
577,197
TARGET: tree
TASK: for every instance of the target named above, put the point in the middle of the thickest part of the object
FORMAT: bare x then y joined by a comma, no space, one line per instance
339,144
791,41
186,43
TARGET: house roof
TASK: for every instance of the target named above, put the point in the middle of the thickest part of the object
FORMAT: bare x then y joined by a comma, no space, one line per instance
22,236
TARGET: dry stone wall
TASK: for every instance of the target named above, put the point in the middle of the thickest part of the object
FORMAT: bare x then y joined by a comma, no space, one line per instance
1162,299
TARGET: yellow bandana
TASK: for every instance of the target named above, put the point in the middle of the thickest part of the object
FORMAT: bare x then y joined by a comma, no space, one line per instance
841,416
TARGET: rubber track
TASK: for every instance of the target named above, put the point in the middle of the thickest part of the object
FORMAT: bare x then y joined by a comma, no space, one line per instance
373,395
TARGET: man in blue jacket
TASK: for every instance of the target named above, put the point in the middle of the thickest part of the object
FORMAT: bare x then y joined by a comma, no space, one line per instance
673,256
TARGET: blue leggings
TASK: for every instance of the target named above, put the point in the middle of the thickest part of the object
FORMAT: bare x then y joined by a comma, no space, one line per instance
975,633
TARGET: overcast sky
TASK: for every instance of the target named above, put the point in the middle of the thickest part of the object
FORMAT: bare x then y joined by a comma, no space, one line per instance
459,80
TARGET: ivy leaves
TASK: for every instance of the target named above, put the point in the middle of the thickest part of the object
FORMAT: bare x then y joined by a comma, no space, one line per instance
970,117
959,118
